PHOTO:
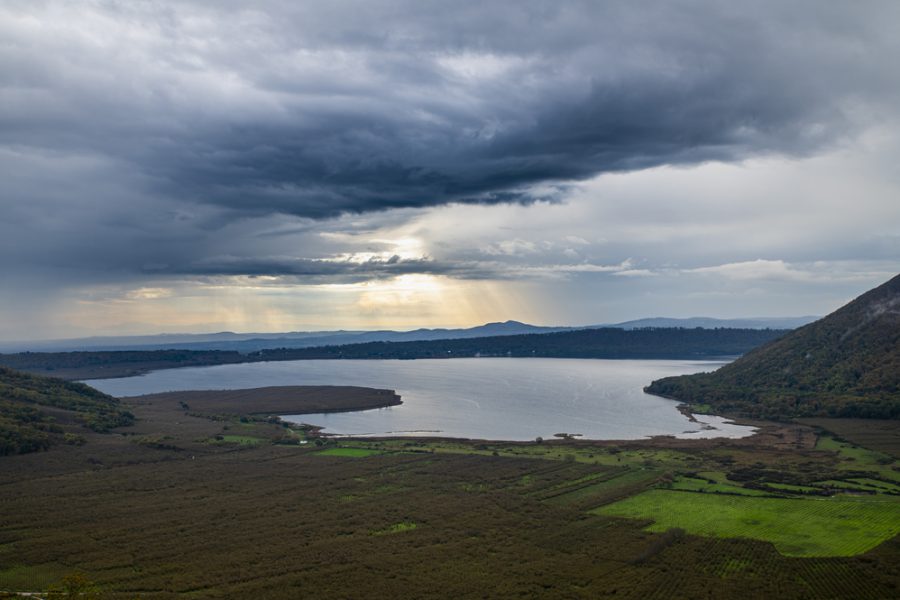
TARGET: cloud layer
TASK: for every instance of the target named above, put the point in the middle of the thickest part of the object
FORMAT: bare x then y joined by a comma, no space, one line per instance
345,142
315,110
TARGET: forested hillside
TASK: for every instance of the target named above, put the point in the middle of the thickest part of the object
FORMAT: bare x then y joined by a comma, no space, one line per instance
36,412
668,342
846,365
113,363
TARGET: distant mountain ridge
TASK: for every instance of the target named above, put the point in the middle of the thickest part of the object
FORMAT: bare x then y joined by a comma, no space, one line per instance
710,323
844,365
253,342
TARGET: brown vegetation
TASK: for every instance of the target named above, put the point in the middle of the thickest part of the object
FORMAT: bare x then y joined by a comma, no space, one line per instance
875,434
276,400
163,509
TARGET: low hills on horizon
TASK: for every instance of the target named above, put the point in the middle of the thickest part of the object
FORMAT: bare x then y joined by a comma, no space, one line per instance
846,364
253,342
606,343
609,343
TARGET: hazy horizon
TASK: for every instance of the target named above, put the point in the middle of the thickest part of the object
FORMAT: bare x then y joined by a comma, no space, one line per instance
198,337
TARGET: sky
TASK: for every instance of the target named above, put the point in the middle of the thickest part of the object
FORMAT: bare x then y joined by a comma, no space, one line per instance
210,165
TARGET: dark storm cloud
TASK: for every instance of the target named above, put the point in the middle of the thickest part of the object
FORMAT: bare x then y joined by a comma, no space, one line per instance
320,109
484,119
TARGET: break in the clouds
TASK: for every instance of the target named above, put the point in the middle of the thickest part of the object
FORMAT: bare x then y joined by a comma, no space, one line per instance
222,149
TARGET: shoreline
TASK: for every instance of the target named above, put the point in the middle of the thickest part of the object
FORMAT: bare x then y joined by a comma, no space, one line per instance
138,368
274,400
320,399
299,400
768,434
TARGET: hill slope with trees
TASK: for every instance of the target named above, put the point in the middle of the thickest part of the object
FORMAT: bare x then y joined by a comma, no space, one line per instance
37,412
844,365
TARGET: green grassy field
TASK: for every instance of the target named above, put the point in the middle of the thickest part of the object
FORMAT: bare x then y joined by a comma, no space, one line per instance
846,449
396,528
32,577
877,484
608,488
791,488
244,440
797,527
349,452
695,484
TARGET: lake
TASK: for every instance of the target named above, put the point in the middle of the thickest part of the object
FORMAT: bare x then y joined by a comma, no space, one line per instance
479,398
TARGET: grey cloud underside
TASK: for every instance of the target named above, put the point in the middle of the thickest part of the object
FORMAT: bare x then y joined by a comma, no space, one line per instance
306,268
313,271
353,107
356,165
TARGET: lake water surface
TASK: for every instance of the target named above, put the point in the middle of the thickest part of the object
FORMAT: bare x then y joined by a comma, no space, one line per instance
483,398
